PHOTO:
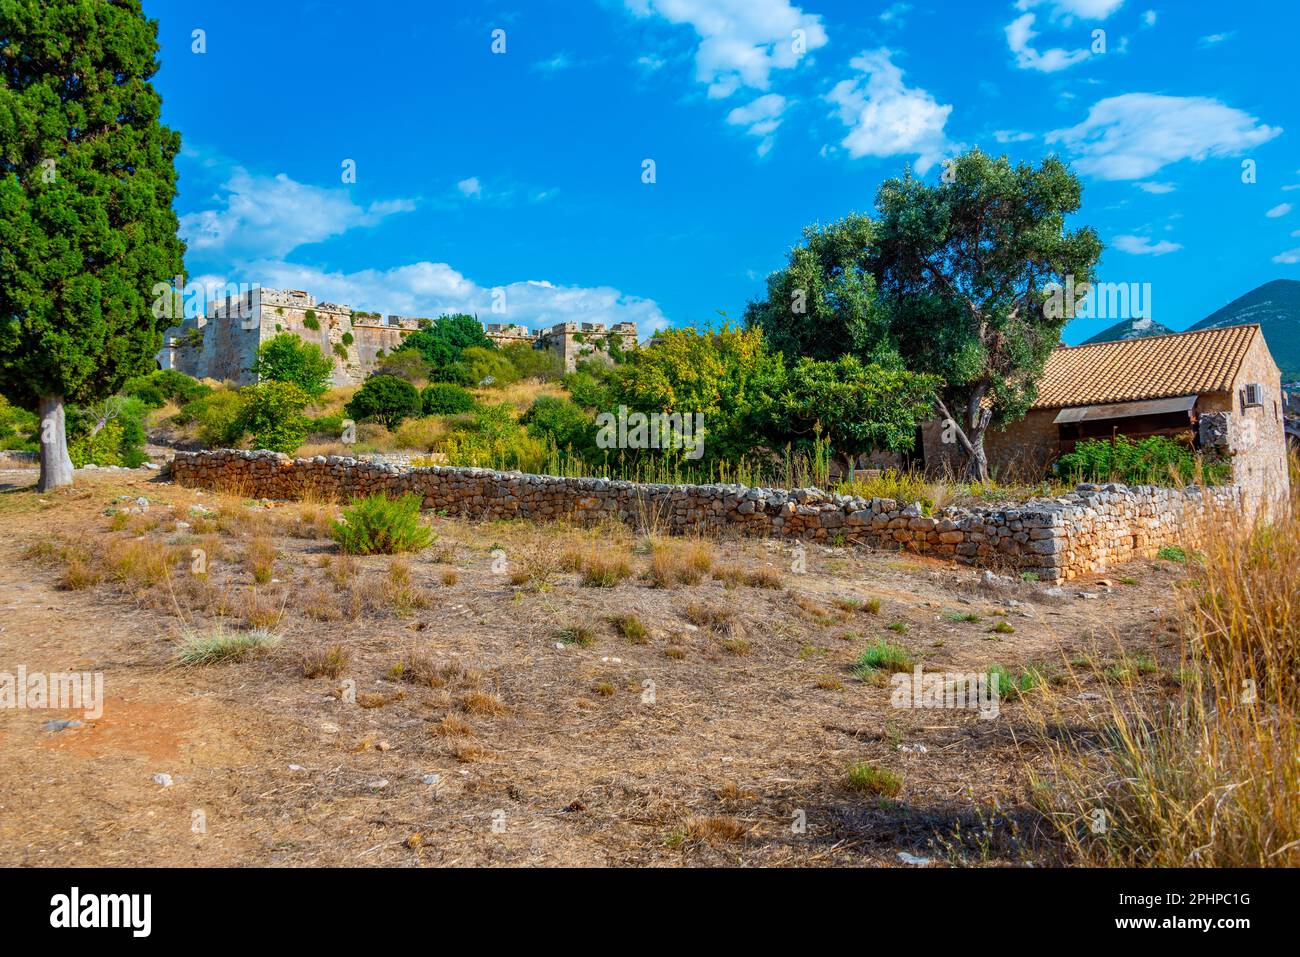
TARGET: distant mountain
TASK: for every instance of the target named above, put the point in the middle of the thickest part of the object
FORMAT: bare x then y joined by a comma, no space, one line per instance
1276,307
1130,329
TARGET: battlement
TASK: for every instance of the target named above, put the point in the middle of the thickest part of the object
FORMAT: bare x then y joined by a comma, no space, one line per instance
223,343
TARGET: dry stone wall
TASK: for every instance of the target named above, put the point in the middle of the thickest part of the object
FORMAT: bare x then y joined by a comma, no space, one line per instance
1089,530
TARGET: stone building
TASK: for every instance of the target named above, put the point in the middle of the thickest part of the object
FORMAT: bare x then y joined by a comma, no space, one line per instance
1219,388
222,343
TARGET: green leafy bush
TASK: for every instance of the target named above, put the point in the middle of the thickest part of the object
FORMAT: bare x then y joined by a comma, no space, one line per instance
378,525
563,423
216,416
530,363
310,321
491,437
478,366
385,399
18,428
287,358
272,415
445,398
1156,460
161,385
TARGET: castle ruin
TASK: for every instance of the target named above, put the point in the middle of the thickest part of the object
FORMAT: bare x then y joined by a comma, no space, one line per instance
222,343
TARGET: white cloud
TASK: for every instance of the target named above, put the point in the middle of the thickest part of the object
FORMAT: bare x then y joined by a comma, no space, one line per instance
1012,136
1289,258
1158,189
1281,209
261,219
885,117
555,64
650,63
741,41
1214,39
1020,36
1134,135
894,13
471,187
761,117
1149,18
1068,9
270,215
1141,246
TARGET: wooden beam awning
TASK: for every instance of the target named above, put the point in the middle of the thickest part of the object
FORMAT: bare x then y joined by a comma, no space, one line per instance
1125,410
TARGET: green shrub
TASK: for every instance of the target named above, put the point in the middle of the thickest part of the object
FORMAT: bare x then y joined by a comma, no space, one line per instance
378,525
222,645
479,366
563,423
102,448
341,351
405,364
18,428
156,388
272,415
884,656
873,780
530,363
287,358
348,339
491,437
385,399
445,398
310,321
1155,460
216,416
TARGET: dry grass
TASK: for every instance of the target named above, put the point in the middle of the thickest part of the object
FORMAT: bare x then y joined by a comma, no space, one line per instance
1208,779
714,830
630,627
679,563
328,662
260,558
482,702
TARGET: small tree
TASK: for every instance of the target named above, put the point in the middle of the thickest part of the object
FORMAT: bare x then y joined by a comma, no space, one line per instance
442,342
726,374
87,229
287,358
385,399
859,408
445,398
967,266
272,416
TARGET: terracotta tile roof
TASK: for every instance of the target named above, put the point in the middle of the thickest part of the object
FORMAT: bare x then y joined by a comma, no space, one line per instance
1151,368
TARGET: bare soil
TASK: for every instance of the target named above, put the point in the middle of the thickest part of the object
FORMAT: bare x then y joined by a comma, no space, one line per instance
710,742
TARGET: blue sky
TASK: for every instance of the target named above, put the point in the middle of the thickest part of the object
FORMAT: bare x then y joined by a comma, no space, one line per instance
523,170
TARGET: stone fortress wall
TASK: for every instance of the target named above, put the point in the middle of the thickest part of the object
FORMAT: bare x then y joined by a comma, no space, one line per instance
1092,529
223,343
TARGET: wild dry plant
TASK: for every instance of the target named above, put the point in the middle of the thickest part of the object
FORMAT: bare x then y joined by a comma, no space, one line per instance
1209,777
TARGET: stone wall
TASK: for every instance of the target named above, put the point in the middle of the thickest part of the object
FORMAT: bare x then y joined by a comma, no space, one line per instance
1088,530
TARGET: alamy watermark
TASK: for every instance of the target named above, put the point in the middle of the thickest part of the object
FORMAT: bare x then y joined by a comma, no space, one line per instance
672,431
55,691
968,691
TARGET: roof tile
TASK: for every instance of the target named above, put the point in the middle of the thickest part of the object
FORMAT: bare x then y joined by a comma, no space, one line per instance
1154,367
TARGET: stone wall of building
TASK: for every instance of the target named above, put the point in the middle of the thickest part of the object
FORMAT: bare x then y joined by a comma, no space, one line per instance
1089,530
223,343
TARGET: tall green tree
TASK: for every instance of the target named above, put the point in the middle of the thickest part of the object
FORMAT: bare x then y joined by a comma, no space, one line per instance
967,266
822,304
87,179
287,358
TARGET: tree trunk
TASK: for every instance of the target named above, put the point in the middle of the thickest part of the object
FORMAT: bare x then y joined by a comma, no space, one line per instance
56,466
977,460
